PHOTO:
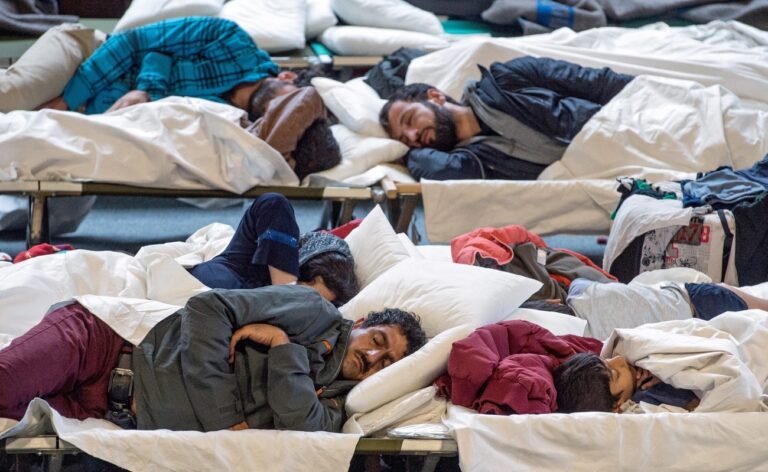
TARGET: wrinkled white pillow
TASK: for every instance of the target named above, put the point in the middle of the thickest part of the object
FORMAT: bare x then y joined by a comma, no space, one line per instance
320,17
274,25
375,247
557,323
412,373
354,103
144,12
443,294
360,153
364,41
44,69
387,14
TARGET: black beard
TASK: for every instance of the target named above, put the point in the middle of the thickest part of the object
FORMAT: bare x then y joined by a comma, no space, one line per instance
445,128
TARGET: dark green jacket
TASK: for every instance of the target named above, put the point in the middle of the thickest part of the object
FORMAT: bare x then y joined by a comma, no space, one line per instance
185,382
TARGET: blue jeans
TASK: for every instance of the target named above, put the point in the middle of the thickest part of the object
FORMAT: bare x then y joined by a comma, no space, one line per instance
267,236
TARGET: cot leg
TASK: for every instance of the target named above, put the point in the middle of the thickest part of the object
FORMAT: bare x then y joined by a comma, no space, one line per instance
405,216
346,212
37,222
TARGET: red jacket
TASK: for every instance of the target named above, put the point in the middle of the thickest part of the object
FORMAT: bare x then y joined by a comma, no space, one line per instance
506,367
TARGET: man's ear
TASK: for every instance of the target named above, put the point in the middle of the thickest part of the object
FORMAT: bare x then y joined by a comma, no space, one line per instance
436,96
287,76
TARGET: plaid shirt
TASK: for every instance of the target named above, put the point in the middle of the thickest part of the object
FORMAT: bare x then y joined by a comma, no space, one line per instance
196,57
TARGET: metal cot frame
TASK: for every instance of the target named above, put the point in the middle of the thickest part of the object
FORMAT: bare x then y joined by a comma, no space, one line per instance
54,449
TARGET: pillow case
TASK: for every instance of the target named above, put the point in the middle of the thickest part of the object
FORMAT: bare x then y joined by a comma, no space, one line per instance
387,14
320,17
364,41
412,373
354,103
144,12
557,323
274,25
443,294
44,69
375,247
360,153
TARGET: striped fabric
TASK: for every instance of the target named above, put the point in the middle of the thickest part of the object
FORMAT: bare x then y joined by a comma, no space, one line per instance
196,56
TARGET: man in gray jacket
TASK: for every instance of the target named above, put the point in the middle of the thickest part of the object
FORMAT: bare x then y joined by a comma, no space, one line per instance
273,357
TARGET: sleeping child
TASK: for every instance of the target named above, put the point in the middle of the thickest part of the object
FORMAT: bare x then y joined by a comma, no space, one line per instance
681,365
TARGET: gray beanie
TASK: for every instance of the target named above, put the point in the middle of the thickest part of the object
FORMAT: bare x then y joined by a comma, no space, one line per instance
319,242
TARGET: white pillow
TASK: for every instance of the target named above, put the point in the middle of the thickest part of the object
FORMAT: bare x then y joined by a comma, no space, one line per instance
320,17
412,373
435,252
444,294
411,248
144,12
375,247
354,103
274,25
44,69
360,153
364,41
387,14
557,323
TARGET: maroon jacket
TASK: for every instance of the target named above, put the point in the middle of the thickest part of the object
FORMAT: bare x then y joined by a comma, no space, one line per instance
506,368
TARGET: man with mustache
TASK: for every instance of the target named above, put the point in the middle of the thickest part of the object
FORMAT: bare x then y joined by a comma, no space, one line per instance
275,357
511,124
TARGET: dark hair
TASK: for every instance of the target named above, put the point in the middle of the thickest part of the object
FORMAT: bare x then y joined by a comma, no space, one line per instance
304,76
337,271
409,93
582,383
317,149
409,323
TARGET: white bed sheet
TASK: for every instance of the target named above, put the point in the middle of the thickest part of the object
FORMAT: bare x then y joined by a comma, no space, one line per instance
183,143
685,127
28,288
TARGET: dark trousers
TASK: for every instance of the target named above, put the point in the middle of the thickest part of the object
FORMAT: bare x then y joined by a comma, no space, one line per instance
266,236
66,359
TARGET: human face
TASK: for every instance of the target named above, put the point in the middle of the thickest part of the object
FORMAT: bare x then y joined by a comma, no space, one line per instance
622,379
422,124
371,349
319,285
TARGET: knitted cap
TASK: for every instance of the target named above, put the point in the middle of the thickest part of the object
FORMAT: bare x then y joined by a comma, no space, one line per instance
319,242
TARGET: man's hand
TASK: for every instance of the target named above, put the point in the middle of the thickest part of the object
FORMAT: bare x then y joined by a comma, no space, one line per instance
265,334
57,103
133,97
644,379
239,426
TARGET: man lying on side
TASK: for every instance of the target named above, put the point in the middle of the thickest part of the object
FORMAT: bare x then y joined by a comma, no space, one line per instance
274,357
511,124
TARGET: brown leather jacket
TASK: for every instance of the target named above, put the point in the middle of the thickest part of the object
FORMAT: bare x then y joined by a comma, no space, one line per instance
286,119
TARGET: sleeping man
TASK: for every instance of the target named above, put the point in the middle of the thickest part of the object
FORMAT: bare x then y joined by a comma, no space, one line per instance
511,124
273,357
706,366
201,57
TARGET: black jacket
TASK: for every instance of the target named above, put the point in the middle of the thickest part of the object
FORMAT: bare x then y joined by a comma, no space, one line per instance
552,97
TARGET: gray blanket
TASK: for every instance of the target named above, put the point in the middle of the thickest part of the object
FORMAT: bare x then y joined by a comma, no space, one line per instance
578,15
751,12
30,17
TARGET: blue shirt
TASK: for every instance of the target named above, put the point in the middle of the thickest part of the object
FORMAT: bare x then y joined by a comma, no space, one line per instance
194,56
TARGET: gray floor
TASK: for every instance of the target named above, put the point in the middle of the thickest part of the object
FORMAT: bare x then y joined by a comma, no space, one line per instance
128,223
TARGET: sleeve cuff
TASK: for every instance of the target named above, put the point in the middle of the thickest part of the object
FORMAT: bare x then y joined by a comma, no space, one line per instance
76,93
278,250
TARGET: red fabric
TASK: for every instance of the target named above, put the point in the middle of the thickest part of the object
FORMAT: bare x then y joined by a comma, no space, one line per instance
490,242
344,230
41,250
586,260
65,359
506,367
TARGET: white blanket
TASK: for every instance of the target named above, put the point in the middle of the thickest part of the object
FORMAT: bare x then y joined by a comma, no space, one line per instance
177,142
725,361
660,129
28,288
